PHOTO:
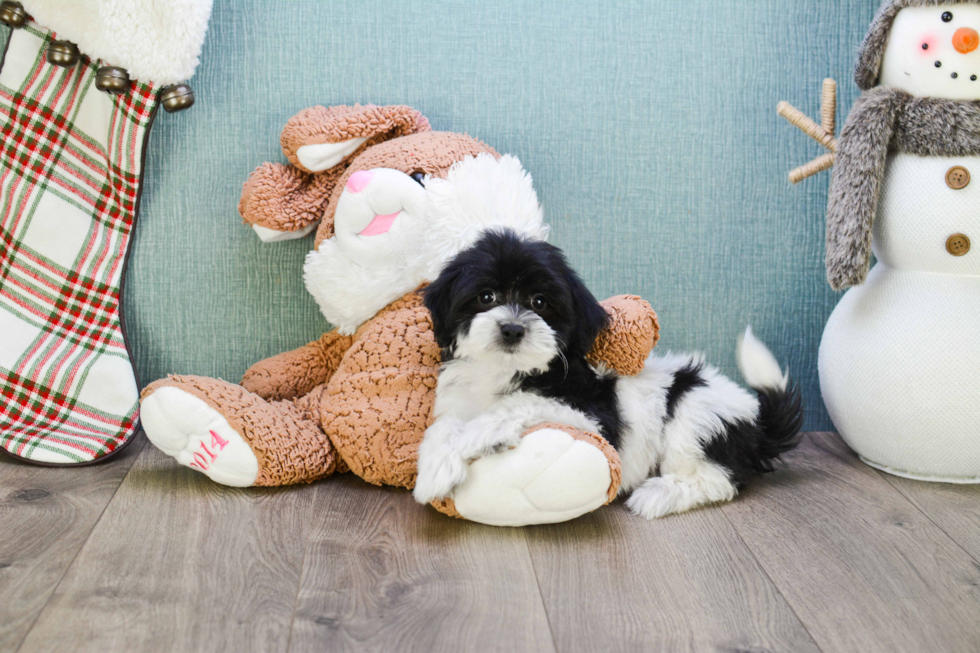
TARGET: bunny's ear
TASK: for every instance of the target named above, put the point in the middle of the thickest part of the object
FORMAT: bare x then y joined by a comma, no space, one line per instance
319,138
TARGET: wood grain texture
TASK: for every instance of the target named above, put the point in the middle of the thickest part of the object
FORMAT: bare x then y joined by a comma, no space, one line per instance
953,508
826,554
178,563
861,566
46,515
385,574
614,582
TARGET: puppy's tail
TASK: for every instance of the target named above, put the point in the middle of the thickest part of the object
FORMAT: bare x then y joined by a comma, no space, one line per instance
780,405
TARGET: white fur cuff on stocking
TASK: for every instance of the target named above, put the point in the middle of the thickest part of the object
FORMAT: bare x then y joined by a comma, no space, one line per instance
156,41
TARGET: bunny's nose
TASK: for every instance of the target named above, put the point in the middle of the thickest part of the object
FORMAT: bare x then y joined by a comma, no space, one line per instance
966,40
359,181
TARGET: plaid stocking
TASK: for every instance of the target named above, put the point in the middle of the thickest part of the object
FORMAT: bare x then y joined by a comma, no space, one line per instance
71,159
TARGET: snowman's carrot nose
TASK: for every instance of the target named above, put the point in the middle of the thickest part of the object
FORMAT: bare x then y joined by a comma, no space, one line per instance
966,40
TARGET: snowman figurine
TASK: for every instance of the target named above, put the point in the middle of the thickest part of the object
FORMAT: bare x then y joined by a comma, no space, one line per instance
899,361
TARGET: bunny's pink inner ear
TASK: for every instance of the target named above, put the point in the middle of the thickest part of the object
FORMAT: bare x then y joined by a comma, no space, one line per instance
320,138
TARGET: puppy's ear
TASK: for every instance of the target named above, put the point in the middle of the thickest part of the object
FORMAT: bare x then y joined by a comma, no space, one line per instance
590,316
439,298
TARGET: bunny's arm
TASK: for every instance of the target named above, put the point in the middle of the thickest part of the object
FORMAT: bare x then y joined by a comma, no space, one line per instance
629,337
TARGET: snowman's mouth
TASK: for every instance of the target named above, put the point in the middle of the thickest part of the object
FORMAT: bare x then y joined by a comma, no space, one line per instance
380,224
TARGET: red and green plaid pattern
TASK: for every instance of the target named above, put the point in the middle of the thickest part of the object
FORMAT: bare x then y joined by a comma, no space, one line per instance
70,166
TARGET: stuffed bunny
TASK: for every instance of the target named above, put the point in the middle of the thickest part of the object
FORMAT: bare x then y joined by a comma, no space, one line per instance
394,202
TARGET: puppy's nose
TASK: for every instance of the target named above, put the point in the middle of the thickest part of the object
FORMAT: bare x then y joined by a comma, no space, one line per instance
512,333
966,40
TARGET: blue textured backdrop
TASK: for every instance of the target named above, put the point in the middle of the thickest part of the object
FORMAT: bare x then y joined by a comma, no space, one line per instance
649,128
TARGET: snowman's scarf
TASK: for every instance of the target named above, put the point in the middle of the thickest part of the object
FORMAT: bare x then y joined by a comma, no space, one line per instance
885,120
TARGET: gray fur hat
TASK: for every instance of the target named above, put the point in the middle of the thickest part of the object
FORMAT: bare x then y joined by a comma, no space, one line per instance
873,48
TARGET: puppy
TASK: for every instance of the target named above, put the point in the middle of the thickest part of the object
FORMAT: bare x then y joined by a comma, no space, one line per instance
694,437
515,323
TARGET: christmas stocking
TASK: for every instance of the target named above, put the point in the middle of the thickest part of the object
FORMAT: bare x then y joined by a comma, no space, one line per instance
76,105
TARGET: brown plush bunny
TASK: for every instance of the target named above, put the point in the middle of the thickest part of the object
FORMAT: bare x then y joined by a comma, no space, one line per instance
394,202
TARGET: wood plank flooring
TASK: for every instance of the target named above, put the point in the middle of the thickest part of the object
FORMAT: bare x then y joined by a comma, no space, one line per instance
46,516
142,555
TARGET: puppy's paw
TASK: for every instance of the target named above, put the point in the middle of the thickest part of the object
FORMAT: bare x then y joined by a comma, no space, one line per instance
505,440
488,438
659,497
500,447
438,475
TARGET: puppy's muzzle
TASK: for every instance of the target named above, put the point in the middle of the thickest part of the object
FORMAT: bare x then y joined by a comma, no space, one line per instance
511,334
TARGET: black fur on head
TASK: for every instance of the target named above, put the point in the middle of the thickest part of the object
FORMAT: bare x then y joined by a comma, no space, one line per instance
519,272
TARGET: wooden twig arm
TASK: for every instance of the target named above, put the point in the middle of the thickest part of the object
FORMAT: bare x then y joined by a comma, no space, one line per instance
824,133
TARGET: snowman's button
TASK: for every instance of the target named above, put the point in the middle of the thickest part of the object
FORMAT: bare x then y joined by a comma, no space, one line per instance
958,245
958,177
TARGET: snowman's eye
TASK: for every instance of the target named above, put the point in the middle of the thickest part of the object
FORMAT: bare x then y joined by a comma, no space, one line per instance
947,16
925,46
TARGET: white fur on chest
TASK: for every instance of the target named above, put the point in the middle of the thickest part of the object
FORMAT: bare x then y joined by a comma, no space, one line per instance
468,388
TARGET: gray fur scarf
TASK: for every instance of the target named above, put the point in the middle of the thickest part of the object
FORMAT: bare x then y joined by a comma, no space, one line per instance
883,121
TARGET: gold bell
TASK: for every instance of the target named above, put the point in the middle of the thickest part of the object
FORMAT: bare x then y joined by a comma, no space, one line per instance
177,97
112,79
63,53
12,14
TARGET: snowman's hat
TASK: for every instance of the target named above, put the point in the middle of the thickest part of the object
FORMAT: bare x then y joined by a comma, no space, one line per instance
873,48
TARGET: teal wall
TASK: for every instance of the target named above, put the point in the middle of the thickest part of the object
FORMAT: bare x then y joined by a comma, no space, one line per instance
649,127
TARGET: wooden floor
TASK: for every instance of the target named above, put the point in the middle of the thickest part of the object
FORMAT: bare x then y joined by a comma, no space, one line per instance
142,555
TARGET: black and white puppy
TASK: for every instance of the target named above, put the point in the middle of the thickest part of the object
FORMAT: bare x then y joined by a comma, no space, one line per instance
515,323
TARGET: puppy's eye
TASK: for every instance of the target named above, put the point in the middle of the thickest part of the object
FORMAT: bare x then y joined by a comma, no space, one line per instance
418,176
947,16
539,303
487,297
